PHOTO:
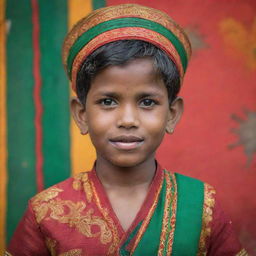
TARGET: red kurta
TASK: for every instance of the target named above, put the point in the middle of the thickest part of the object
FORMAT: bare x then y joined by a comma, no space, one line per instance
75,217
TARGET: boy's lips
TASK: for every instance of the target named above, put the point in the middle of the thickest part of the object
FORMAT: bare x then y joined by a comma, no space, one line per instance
127,142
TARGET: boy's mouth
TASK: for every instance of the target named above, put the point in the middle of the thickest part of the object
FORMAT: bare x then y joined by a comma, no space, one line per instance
126,142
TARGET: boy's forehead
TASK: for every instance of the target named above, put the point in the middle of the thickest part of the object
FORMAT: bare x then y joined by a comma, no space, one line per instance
137,66
124,22
137,75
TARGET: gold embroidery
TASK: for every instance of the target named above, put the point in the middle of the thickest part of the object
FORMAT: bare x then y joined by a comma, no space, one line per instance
209,203
39,202
77,183
173,217
81,181
7,254
243,252
51,244
147,219
74,252
47,194
167,210
68,212
105,213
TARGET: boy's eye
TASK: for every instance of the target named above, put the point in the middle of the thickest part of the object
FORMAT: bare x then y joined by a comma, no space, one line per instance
147,103
107,102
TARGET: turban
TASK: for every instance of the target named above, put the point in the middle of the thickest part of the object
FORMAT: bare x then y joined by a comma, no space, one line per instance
124,22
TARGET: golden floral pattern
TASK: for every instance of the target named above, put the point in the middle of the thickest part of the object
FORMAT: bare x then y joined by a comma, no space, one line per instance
243,252
47,194
47,207
7,254
51,245
74,252
209,202
39,202
81,182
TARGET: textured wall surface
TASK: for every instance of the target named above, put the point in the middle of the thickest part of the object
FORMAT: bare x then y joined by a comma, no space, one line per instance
215,140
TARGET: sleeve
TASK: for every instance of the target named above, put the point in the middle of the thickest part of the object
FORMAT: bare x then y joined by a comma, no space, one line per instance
223,240
28,239
217,235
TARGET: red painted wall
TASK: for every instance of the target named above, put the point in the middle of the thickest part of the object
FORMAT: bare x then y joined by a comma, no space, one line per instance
216,138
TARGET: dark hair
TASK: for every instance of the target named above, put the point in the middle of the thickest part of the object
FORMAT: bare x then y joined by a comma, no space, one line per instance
119,53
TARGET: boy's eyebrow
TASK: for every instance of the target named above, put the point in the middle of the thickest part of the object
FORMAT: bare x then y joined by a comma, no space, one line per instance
108,94
139,95
149,94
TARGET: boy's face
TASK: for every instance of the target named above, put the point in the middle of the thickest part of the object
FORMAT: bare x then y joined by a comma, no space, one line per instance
127,113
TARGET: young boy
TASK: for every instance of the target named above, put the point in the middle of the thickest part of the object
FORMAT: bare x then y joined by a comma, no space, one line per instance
126,64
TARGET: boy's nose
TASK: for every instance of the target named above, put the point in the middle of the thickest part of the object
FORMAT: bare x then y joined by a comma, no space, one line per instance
128,117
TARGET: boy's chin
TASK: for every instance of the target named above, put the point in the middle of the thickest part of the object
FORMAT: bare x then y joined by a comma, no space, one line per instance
129,162
126,165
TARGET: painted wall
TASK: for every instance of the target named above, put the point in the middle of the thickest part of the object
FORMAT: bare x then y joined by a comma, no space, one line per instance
215,141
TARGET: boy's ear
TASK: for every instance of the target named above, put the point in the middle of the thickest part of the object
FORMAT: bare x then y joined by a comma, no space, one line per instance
175,112
79,115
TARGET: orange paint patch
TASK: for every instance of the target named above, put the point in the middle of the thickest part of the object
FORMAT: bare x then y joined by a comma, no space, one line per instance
82,151
240,41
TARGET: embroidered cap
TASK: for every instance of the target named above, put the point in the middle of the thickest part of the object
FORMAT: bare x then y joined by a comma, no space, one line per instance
124,22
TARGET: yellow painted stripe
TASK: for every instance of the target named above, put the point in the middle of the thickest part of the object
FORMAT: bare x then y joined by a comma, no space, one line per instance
82,151
3,150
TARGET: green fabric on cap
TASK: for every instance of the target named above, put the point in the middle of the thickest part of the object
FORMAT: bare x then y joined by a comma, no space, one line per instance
122,23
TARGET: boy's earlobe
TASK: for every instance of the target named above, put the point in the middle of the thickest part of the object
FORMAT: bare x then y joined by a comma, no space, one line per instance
79,115
84,131
176,110
169,130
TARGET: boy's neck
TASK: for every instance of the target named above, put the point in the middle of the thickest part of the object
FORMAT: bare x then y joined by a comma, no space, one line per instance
114,176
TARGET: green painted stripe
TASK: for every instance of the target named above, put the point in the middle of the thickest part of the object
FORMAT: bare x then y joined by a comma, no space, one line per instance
98,4
189,216
20,112
122,23
55,92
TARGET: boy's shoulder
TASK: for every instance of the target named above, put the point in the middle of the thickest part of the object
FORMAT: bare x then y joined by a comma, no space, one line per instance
70,189
185,182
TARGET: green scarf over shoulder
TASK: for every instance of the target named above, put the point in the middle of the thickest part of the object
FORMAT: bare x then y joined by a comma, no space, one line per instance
176,222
